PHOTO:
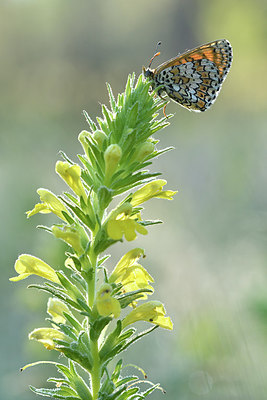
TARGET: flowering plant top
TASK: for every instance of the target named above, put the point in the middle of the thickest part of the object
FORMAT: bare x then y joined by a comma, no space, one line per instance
87,325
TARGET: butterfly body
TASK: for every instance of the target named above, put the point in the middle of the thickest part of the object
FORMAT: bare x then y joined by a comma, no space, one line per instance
193,79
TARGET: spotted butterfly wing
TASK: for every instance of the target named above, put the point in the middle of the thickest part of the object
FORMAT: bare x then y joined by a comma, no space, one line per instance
193,79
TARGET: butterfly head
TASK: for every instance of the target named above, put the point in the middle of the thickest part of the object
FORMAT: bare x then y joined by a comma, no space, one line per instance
149,73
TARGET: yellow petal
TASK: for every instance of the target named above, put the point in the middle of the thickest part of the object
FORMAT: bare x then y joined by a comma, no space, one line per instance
151,311
28,265
46,336
114,229
126,261
166,194
141,229
163,322
38,208
136,277
121,223
131,275
70,235
72,176
50,203
56,308
129,227
147,191
105,303
150,190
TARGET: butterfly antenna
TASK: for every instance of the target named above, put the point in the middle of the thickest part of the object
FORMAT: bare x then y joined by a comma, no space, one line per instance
155,55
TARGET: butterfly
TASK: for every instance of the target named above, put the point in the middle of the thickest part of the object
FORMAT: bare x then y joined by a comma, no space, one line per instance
193,79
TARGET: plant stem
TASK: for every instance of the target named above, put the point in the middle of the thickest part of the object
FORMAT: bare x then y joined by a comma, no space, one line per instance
92,280
95,374
91,290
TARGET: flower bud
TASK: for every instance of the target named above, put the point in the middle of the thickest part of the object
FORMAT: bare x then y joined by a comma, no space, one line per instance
99,137
112,157
56,308
69,235
82,139
105,303
83,135
144,150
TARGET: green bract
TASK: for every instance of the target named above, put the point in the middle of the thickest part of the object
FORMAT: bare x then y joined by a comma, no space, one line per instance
92,310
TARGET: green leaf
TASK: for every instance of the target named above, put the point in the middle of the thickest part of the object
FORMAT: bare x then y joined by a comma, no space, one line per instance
128,298
59,393
137,337
89,121
65,157
70,197
67,330
127,379
117,370
110,343
77,353
128,393
70,220
97,327
73,321
102,260
111,98
45,228
70,288
147,222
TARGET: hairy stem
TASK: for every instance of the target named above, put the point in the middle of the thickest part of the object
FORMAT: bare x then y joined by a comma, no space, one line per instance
95,374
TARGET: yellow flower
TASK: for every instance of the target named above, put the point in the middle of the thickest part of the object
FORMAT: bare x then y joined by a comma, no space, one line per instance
46,336
71,236
150,190
50,203
29,265
72,176
122,223
126,261
56,308
131,274
151,311
105,303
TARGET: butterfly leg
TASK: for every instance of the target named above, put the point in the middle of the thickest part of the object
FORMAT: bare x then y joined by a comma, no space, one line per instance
164,110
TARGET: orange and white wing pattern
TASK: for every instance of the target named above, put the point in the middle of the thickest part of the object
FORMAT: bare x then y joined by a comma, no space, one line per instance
193,79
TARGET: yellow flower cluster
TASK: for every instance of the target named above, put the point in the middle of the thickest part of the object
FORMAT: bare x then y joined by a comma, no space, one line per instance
123,221
132,276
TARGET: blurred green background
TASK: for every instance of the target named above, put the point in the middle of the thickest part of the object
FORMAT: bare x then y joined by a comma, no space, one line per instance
209,258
